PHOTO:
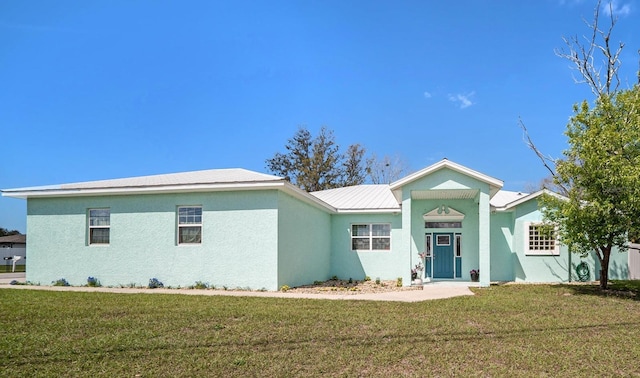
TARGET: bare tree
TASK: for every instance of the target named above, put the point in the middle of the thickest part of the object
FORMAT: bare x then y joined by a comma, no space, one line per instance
385,170
582,52
583,56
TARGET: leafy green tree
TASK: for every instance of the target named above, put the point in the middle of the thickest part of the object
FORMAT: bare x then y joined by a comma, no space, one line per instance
354,173
598,175
601,171
316,163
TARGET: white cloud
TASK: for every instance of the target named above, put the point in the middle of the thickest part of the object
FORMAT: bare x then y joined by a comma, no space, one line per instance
427,95
616,8
463,99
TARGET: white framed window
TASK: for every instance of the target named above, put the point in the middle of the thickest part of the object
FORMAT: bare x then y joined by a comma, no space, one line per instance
540,239
443,240
190,225
371,237
99,225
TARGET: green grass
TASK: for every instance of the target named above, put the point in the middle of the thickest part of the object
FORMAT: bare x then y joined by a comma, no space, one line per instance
7,268
513,330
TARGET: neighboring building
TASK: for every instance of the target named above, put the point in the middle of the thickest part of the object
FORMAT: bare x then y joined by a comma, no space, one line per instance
10,247
237,228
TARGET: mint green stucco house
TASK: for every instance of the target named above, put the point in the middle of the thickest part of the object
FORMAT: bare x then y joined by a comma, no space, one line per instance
237,228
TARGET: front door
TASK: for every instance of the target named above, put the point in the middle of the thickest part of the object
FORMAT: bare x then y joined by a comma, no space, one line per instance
443,255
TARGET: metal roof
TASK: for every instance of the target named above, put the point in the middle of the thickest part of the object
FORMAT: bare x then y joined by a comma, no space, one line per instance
205,179
505,197
360,198
210,176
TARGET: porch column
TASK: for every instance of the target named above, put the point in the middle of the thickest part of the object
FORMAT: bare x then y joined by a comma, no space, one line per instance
484,242
406,238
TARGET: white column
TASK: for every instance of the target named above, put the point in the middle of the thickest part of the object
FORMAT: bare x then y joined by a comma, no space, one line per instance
406,239
484,241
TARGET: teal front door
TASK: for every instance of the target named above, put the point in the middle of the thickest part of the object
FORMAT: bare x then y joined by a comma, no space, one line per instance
443,255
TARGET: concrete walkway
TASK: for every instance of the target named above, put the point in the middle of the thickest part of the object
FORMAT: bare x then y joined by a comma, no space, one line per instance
434,290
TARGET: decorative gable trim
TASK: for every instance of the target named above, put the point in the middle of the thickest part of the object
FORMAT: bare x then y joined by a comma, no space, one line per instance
443,213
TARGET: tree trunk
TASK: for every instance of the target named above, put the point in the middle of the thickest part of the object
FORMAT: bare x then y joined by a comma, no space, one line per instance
604,267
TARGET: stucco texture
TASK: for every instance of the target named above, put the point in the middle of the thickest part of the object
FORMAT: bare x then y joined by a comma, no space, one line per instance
239,240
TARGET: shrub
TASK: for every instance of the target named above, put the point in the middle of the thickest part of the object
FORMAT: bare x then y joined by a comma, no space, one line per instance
399,282
154,283
201,285
284,288
377,280
60,282
93,282
334,278
350,280
367,278
317,282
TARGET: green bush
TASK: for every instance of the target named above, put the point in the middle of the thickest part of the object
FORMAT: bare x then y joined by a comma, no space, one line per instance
201,285
93,282
399,282
284,288
367,278
60,282
154,283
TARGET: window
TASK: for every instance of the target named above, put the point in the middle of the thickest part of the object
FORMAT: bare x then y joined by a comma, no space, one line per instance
99,226
371,237
427,245
540,239
443,240
443,225
190,225
458,245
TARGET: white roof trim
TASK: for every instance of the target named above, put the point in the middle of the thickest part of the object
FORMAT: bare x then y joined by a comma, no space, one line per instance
444,163
76,192
56,191
528,197
369,211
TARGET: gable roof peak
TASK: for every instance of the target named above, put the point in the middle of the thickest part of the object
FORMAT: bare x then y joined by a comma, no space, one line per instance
494,184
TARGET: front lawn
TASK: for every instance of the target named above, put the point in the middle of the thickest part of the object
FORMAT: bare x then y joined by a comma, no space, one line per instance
9,268
512,330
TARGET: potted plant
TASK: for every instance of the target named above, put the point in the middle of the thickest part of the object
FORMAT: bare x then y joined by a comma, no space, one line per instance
416,273
475,275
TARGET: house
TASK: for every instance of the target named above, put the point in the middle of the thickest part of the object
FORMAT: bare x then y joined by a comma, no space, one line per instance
13,249
238,228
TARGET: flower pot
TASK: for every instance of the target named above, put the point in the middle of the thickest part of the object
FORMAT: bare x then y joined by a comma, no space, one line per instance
475,277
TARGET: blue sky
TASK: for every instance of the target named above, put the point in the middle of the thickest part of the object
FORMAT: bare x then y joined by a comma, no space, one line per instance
94,90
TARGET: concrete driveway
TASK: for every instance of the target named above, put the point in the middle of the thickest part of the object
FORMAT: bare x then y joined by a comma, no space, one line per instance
430,291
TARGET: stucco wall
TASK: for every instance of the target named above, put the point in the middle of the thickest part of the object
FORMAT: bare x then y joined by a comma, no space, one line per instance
386,265
532,268
502,255
239,240
555,268
304,242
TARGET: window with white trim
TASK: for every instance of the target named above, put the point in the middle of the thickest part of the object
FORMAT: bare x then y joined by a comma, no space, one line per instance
99,221
540,239
371,237
189,225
